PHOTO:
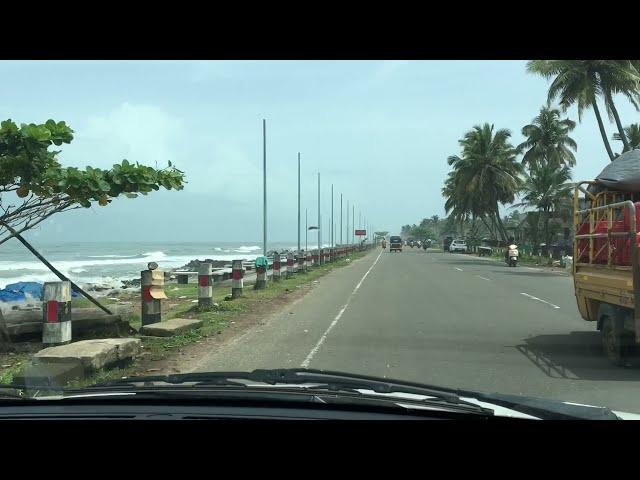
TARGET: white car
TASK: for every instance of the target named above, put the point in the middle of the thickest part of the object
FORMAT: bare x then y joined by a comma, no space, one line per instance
458,246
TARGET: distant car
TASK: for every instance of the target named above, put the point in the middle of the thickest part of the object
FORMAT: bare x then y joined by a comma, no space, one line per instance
395,244
458,246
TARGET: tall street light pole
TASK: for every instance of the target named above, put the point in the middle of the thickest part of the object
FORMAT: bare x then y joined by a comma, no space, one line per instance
306,231
264,186
331,242
340,219
348,237
298,201
319,225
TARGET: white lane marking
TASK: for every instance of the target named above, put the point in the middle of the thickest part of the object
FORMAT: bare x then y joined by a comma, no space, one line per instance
531,268
459,269
539,299
312,353
484,278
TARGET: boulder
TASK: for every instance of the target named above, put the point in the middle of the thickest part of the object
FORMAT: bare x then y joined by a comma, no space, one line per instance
90,354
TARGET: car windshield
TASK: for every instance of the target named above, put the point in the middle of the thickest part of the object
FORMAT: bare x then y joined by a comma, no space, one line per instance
169,217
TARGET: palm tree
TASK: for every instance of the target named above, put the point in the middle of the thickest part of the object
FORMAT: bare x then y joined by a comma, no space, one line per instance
548,140
434,222
631,134
620,77
486,175
581,82
546,188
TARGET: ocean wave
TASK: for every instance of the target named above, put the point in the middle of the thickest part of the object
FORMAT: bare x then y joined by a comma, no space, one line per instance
112,256
243,249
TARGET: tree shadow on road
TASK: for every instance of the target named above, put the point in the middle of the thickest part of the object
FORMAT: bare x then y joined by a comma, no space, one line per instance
576,356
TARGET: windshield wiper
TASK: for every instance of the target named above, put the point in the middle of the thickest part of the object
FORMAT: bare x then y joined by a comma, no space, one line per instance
326,381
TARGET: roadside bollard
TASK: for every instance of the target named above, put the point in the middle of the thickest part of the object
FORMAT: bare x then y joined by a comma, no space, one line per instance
237,273
205,285
56,308
314,258
289,265
152,291
261,273
301,261
306,262
276,267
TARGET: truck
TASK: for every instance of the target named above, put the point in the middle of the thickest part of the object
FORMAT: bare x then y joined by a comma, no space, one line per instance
606,265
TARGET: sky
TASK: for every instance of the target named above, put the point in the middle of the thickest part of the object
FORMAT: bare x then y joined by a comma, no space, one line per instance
379,131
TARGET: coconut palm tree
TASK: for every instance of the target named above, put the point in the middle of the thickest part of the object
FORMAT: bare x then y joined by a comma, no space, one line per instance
548,140
547,188
434,222
581,82
484,176
631,134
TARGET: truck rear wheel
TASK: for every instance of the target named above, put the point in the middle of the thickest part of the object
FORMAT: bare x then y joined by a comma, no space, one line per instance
616,342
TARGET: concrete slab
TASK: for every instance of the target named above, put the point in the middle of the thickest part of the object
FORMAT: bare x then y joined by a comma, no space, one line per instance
171,327
50,375
90,354
125,347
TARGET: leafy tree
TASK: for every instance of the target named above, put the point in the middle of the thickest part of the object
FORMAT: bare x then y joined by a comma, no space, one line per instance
34,185
548,140
581,82
546,188
631,134
483,177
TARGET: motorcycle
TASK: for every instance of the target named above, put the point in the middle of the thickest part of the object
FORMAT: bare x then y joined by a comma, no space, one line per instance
512,256
426,245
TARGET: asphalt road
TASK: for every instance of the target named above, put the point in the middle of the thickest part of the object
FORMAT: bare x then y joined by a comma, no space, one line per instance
444,319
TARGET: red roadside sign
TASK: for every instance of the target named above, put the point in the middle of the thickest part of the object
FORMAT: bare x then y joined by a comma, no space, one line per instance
361,233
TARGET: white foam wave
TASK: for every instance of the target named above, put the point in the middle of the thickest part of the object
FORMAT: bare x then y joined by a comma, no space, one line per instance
244,248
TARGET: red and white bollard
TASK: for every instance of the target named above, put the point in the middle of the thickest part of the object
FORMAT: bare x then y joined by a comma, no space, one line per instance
301,262
307,262
205,285
276,267
289,265
237,274
56,307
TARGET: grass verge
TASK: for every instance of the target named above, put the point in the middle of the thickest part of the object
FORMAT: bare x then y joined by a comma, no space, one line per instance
216,318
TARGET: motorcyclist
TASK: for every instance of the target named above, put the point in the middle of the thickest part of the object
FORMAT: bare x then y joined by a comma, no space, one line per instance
512,241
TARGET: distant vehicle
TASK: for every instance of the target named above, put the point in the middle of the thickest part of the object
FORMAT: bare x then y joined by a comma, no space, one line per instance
446,243
395,244
458,246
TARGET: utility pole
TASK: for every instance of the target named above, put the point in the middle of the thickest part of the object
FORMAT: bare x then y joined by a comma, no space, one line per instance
306,231
264,186
353,219
348,237
340,219
319,226
331,242
298,201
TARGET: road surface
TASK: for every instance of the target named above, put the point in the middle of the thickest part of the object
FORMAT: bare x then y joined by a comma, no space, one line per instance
445,319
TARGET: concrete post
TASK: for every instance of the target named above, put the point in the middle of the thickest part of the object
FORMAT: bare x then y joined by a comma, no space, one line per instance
205,285
276,267
261,277
237,273
307,261
56,308
289,265
301,262
152,291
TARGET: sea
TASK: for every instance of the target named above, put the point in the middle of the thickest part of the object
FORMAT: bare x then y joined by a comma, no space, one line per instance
108,263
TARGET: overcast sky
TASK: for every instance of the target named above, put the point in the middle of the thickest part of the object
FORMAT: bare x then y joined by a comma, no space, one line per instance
380,131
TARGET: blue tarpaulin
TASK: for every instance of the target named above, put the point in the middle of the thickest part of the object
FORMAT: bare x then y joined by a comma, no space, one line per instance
17,292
